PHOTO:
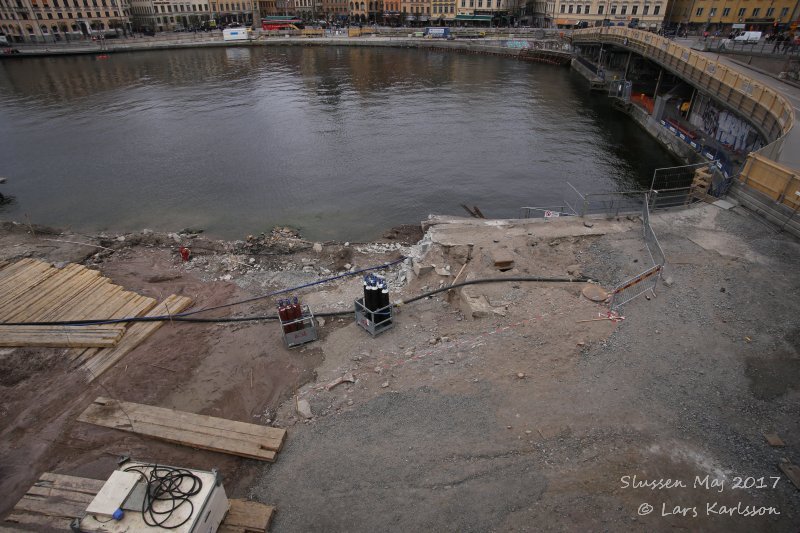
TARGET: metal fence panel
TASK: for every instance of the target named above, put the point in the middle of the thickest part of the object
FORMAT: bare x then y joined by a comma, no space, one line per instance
634,287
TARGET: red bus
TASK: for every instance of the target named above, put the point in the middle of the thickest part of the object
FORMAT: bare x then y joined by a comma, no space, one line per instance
281,23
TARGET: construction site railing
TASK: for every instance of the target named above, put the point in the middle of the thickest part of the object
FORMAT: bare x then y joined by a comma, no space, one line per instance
648,279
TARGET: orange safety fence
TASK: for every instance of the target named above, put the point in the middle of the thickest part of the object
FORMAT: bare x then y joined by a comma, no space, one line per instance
644,101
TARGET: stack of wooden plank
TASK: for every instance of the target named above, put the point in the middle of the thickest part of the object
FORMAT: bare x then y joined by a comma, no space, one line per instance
34,291
701,183
198,431
55,500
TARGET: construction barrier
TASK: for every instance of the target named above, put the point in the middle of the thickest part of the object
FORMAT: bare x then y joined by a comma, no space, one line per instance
778,182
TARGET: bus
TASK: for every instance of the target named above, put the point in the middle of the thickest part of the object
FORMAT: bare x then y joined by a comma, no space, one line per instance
281,23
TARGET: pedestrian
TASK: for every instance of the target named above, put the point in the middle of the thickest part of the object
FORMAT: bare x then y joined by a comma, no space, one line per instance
705,35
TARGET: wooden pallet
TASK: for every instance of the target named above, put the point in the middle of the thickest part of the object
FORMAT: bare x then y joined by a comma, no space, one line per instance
247,517
198,431
34,291
55,500
101,361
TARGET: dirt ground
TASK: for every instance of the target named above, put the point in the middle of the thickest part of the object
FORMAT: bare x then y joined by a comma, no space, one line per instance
495,407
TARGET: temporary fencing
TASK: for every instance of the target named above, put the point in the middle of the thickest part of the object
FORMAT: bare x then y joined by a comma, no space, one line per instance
672,186
647,280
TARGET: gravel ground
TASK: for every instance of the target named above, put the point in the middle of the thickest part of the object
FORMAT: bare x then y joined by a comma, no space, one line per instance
686,385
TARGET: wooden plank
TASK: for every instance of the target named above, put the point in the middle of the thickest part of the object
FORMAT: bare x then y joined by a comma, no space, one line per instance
19,286
50,507
86,304
134,306
64,495
78,484
267,437
41,292
64,291
53,501
247,516
122,418
792,471
135,335
39,522
17,268
183,436
61,336
774,440
59,310
114,414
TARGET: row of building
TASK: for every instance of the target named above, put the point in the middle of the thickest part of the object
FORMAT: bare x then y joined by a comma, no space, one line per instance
57,20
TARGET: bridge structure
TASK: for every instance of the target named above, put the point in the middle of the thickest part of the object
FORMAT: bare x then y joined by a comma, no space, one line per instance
768,179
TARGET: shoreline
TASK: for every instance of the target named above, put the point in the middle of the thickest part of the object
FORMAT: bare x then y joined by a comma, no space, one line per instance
518,374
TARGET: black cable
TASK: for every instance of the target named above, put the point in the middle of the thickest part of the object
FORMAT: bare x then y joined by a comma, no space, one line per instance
223,320
164,485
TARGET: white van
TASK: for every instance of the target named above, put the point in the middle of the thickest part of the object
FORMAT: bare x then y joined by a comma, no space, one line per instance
748,37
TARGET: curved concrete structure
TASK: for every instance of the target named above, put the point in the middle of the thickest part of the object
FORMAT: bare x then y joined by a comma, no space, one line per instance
760,103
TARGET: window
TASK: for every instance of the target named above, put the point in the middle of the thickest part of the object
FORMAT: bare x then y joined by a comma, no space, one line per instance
578,10
656,10
726,12
741,12
699,12
712,12
463,3
563,8
770,11
586,9
570,10
480,3
613,10
646,10
634,10
756,11
50,16
784,12
624,10
600,9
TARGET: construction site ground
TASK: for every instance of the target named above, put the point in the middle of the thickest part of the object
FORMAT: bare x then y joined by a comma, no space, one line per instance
495,407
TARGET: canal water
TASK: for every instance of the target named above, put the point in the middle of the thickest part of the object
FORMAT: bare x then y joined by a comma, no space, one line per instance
340,142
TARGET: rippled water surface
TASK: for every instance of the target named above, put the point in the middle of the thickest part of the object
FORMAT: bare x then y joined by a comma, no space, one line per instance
343,143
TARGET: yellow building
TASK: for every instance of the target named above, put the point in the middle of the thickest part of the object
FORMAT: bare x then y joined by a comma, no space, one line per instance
727,15
642,14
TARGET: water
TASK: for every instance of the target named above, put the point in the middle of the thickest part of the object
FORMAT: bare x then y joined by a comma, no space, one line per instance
340,142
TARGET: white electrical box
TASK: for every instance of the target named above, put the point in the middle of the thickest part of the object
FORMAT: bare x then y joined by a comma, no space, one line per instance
146,493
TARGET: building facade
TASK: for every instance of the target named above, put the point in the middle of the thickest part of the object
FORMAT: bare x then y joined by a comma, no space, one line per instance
415,12
538,13
751,15
643,14
334,10
63,20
